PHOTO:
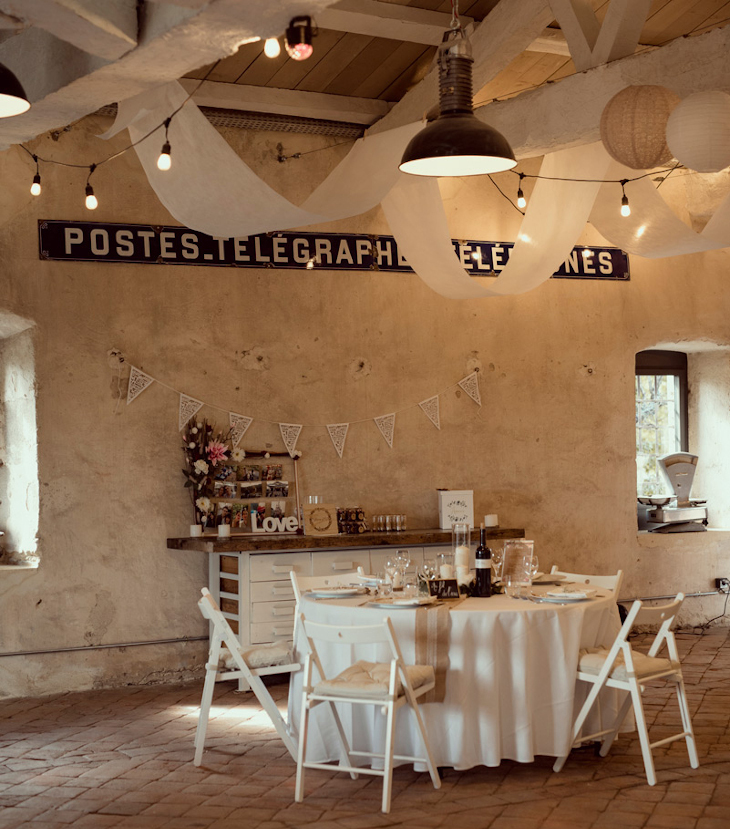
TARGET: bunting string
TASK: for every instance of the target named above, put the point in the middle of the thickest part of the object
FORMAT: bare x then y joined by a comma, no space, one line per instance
189,406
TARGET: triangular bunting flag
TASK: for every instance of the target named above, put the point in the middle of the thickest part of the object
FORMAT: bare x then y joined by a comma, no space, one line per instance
470,384
238,423
138,382
338,433
386,424
189,407
431,410
290,435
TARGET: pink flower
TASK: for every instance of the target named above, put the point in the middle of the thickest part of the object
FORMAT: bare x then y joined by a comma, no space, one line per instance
217,452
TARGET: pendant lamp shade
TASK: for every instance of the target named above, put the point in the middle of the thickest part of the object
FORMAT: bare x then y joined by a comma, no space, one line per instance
13,100
457,143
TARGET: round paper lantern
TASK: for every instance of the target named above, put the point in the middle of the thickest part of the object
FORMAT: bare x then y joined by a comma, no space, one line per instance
698,132
634,123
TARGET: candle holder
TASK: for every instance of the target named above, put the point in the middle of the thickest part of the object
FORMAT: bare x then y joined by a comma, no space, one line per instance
460,540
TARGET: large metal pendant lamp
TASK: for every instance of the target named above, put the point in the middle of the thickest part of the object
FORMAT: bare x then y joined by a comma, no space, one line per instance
13,99
457,143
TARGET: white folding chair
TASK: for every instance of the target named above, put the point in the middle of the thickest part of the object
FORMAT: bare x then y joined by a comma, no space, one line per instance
606,582
236,663
303,583
389,685
628,670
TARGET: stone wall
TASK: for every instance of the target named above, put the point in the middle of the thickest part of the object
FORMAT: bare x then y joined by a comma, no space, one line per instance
551,449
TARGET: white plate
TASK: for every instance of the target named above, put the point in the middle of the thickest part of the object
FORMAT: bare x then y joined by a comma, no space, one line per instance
335,592
572,596
418,601
365,579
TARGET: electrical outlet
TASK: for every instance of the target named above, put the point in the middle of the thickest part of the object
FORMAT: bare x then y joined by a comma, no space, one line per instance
722,585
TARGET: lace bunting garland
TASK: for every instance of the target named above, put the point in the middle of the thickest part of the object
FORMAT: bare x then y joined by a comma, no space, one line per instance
290,435
239,424
189,407
470,384
338,434
386,424
430,408
138,382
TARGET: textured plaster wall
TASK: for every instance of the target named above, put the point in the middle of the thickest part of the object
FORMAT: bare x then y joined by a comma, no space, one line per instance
550,450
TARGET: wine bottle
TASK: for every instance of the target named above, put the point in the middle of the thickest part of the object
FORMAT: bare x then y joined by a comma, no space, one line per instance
483,562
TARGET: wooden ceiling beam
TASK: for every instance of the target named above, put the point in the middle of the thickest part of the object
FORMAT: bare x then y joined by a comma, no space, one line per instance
567,113
107,30
287,102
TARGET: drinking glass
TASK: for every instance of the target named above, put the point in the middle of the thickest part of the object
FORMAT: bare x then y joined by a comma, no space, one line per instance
517,566
410,590
403,560
387,523
403,522
446,566
535,566
497,561
392,572
385,589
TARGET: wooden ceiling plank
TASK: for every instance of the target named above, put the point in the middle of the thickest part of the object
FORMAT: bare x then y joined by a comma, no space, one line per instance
400,58
568,113
377,19
359,69
286,102
107,30
679,18
338,58
414,74
504,33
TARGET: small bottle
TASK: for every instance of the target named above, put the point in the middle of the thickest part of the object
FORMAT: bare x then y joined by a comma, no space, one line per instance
483,562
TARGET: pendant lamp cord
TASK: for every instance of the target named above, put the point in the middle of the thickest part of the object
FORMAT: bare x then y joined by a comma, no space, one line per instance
455,22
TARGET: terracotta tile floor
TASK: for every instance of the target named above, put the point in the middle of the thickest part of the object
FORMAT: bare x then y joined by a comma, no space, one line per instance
123,758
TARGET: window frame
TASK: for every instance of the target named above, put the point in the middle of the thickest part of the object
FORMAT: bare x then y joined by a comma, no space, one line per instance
657,362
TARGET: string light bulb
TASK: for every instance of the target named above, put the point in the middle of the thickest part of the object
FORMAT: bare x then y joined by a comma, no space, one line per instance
521,200
91,201
298,38
625,208
272,48
164,162
35,188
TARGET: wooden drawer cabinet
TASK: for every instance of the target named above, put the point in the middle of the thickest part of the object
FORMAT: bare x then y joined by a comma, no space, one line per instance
264,632
326,563
276,566
272,612
271,591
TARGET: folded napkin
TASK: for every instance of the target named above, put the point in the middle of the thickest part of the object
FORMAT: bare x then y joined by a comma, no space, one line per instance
571,594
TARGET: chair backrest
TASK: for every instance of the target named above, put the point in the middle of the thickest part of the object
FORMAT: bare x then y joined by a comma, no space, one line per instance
303,583
607,582
664,616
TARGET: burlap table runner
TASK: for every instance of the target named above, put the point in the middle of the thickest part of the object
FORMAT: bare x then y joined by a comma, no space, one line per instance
433,629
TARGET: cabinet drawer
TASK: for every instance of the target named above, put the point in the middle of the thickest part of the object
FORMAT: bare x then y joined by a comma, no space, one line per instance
275,612
263,632
341,561
271,591
276,566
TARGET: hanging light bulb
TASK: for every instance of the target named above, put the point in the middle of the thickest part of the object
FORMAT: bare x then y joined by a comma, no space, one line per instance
521,200
13,100
298,38
164,162
272,48
457,143
91,200
35,188
625,209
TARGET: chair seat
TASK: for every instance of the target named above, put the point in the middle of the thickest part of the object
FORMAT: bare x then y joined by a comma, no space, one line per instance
262,656
371,679
591,661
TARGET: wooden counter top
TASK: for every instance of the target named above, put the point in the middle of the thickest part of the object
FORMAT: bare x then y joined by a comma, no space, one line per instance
265,542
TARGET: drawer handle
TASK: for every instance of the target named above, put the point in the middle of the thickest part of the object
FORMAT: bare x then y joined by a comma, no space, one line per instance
282,568
282,611
282,591
342,565
281,631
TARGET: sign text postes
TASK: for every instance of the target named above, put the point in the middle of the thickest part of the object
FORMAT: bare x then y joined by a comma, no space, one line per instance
147,244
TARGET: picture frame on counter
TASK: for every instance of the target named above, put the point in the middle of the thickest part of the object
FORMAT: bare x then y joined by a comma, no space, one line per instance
320,519
455,505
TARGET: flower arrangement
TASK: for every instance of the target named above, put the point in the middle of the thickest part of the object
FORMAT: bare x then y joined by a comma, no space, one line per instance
203,451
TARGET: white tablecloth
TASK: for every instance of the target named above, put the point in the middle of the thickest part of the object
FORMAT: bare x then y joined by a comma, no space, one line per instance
510,684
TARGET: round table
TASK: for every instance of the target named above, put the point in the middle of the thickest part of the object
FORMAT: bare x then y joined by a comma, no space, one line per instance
509,689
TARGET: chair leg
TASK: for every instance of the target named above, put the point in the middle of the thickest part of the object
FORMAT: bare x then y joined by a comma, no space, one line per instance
205,704
268,704
432,770
389,750
643,735
618,722
301,753
578,724
687,724
343,739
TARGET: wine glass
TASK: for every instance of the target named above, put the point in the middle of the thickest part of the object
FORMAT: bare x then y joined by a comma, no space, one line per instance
403,560
392,571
